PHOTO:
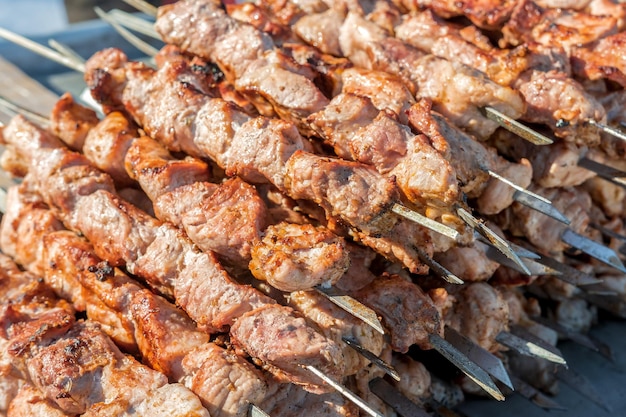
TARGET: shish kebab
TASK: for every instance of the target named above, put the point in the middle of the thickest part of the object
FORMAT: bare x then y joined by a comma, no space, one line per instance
355,24
43,338
578,238
370,291
88,229
225,383
228,32
102,145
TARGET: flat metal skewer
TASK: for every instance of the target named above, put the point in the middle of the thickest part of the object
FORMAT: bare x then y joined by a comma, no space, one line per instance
482,357
608,129
516,127
535,396
433,225
499,243
606,172
527,344
396,400
468,367
593,248
352,306
532,200
376,360
437,268
344,391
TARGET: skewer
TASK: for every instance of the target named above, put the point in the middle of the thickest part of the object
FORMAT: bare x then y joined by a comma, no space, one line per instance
345,392
467,366
516,127
65,50
533,200
574,336
143,6
610,174
485,359
438,269
581,384
499,243
414,216
144,47
381,364
526,343
593,248
390,395
535,396
608,129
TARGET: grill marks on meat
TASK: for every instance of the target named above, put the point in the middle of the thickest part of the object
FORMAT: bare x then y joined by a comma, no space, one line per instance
282,327
245,54
293,257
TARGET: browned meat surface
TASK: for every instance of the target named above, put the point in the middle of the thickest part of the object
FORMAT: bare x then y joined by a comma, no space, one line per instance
227,219
487,14
358,274
368,46
408,314
225,383
288,400
329,182
565,27
555,99
245,54
360,132
30,402
480,313
284,342
259,17
72,122
292,257
156,170
498,195
321,30
335,323
386,91
602,59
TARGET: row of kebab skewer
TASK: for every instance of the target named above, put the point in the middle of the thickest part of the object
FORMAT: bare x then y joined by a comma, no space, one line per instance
284,155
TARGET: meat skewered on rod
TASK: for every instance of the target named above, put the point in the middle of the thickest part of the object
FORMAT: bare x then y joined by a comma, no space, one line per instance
497,241
448,348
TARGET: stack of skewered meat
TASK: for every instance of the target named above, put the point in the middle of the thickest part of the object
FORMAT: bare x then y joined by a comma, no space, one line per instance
219,239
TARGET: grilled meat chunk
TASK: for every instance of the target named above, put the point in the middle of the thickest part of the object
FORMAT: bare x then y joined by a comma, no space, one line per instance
407,312
293,257
72,122
287,342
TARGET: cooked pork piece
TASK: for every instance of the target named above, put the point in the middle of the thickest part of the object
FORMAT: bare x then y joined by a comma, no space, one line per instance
555,99
613,103
408,314
225,383
28,401
72,122
386,91
486,14
480,313
565,27
369,46
293,257
104,142
321,30
279,327
360,132
470,262
288,400
416,380
258,17
601,59
246,55
329,182
576,314
610,197
335,324
157,172
244,146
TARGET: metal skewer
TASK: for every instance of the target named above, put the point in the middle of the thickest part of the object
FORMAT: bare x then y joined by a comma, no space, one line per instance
381,364
610,174
400,404
526,343
534,395
516,127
